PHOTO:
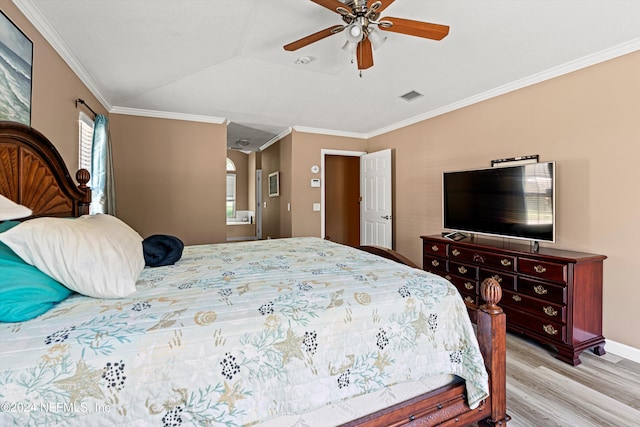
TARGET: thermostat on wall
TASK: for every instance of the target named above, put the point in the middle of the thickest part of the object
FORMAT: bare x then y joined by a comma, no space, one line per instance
315,169
315,182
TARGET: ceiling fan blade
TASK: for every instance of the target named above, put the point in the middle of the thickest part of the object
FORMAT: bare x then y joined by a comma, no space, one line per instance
414,28
314,37
364,53
330,4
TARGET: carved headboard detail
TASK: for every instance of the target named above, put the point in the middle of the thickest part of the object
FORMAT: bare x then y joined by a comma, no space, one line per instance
33,174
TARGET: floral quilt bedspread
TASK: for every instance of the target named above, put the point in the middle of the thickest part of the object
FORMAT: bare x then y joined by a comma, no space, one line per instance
234,334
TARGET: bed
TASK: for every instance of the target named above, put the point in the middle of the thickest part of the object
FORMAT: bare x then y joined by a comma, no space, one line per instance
284,332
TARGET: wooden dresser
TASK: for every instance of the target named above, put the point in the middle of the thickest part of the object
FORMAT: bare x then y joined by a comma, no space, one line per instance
553,296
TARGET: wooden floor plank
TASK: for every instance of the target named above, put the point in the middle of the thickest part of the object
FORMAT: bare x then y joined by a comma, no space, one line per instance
545,392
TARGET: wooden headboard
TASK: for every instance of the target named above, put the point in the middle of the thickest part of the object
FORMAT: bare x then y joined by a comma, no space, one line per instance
33,174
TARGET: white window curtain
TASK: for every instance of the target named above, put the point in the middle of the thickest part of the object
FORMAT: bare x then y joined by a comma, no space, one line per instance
103,194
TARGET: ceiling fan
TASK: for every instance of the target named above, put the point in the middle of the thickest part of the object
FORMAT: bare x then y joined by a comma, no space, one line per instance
361,24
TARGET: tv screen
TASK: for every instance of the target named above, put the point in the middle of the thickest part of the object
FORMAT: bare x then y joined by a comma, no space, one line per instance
512,201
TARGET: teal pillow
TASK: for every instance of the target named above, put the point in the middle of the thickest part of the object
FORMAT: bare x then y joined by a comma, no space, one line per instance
25,291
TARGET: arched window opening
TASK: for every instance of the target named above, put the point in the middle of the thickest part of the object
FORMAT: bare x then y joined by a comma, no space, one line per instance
231,189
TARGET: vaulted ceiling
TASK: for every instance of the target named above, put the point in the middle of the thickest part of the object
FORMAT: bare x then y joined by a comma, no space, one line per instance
224,59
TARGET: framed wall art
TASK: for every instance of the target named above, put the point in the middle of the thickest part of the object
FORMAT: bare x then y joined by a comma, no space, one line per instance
16,59
274,184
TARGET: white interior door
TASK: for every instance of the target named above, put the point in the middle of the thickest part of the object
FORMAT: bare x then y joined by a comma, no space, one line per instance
375,188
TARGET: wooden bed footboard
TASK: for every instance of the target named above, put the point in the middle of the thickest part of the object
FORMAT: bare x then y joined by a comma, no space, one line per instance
448,405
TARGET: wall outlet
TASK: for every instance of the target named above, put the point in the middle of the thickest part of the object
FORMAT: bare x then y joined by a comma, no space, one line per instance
316,207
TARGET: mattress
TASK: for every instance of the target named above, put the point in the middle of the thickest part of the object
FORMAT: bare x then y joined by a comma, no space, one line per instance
241,334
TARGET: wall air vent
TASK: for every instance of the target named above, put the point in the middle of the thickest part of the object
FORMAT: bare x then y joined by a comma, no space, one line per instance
410,96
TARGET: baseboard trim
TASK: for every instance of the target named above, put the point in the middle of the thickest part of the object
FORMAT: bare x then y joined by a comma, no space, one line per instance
623,350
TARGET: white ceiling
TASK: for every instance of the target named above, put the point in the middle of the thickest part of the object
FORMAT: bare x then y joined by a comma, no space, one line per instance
223,60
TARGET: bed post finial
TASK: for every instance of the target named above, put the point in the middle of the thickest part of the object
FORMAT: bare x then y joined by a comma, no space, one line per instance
491,293
83,176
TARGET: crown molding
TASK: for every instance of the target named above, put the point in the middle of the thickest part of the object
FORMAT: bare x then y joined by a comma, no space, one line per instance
275,139
569,67
167,115
32,13
331,132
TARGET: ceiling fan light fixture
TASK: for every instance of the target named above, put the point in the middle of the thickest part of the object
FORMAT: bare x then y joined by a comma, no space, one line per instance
349,47
355,32
376,38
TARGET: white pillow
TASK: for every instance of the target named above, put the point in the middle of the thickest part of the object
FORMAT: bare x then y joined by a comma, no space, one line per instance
11,210
95,255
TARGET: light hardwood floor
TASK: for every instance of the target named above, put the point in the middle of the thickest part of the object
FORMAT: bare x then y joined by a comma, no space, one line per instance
543,391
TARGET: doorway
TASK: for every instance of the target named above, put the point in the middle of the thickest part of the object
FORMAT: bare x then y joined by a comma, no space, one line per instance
342,199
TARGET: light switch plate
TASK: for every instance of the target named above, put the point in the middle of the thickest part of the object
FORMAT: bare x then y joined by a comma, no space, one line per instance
316,207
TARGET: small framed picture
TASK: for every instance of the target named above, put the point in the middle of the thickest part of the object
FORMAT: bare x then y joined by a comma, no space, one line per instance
274,184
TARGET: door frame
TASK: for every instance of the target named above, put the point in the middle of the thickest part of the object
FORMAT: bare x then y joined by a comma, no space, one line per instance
329,152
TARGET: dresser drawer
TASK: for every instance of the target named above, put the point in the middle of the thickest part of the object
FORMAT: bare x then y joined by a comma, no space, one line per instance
464,284
553,331
435,264
539,308
543,290
435,248
506,281
463,270
488,259
548,270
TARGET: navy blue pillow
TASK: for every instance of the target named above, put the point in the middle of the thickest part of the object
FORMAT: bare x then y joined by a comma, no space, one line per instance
161,249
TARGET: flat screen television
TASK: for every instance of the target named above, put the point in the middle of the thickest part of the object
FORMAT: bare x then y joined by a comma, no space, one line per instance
512,201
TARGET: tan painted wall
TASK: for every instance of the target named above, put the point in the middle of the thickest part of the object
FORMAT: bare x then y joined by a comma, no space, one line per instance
170,177
270,159
306,152
55,88
589,123
241,160
286,185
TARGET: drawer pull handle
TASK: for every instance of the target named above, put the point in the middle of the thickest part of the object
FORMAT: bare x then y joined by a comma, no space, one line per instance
435,263
462,269
447,277
469,300
497,278
550,330
455,252
550,311
517,298
540,290
478,258
539,269
505,262
434,248
469,285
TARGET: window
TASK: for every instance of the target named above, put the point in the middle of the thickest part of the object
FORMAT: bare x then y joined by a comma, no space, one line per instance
231,189
85,140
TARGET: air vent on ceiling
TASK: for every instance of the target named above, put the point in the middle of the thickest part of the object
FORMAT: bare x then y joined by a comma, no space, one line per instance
410,96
